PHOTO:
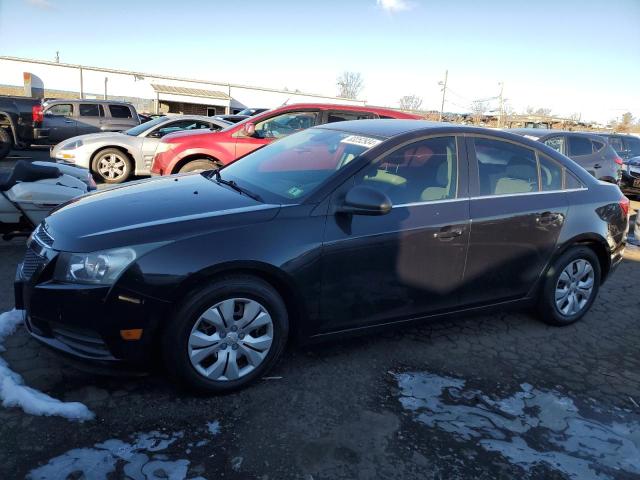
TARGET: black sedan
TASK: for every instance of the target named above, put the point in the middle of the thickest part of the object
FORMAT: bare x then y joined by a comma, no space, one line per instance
335,230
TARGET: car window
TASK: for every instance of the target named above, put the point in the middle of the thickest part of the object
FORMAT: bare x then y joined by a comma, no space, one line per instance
285,124
89,110
550,174
345,116
633,145
423,171
557,143
616,143
579,146
61,110
571,181
505,168
181,125
120,111
597,145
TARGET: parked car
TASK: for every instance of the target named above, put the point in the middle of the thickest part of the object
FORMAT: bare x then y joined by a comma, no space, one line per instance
590,151
115,156
626,146
630,181
19,116
232,118
198,152
63,119
250,112
636,229
334,230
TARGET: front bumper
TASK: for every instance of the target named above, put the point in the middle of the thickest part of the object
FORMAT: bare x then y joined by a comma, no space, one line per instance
630,182
86,321
79,157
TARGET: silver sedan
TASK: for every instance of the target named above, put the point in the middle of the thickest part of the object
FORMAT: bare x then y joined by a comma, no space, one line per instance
115,156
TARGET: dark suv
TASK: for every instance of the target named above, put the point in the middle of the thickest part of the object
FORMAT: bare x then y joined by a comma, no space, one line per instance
590,151
62,119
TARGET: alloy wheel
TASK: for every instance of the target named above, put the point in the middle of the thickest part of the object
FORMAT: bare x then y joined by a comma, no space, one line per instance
574,287
112,166
230,339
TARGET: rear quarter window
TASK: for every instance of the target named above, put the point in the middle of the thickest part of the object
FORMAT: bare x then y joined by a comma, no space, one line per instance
597,145
571,181
120,111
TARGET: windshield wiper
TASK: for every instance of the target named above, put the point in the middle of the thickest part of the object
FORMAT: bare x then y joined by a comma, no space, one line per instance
236,187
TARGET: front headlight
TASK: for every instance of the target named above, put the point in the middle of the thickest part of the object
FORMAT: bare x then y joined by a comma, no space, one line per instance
72,145
97,268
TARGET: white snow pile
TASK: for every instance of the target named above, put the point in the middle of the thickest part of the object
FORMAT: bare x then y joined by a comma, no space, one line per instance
14,393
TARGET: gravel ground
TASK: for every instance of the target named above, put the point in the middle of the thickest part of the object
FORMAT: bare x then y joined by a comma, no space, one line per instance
496,395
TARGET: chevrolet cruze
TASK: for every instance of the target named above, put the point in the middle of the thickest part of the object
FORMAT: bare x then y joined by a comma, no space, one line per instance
338,229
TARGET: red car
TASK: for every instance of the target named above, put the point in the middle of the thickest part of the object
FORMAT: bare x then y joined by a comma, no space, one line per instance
190,152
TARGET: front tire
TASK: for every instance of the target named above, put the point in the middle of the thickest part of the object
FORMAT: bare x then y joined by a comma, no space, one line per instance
112,166
570,287
226,335
199,165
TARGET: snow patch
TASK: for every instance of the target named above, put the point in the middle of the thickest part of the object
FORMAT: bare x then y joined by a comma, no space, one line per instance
14,393
138,458
529,428
213,427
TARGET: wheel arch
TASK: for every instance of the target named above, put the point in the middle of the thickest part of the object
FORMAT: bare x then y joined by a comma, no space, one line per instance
275,277
191,157
124,150
594,242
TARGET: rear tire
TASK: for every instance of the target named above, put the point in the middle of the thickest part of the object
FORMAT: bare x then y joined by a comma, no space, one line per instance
225,335
199,165
6,143
570,287
112,166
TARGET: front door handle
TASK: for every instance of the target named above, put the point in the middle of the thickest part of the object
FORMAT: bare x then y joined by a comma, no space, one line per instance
448,233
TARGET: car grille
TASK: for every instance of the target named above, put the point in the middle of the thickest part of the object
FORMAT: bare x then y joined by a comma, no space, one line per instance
83,341
31,263
43,236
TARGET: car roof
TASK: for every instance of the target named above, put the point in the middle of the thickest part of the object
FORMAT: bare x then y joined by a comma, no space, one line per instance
344,108
543,132
86,100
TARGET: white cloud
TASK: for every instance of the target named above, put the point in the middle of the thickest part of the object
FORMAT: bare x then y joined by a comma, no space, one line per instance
391,6
43,4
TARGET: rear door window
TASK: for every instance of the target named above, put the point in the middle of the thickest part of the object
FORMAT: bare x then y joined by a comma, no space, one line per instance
61,110
616,143
346,116
505,168
89,110
557,143
579,146
550,174
120,111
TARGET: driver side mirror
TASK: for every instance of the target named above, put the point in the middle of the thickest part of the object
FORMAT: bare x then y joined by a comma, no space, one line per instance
249,130
361,200
156,134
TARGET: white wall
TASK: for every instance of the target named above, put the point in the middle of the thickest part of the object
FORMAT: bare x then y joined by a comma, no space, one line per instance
128,84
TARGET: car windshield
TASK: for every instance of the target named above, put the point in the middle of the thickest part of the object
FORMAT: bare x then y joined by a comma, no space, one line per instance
290,169
143,127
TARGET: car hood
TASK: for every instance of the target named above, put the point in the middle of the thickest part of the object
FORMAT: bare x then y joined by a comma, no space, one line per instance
154,210
89,137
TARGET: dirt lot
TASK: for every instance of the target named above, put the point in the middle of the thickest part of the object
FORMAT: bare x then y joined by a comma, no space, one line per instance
489,396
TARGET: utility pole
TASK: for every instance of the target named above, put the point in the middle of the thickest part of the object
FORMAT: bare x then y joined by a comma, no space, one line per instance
444,92
57,56
501,104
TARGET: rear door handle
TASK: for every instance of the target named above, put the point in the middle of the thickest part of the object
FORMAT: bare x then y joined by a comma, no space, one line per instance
548,218
68,121
597,165
448,233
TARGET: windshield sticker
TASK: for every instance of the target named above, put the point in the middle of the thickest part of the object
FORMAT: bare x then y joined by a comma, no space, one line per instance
361,141
295,191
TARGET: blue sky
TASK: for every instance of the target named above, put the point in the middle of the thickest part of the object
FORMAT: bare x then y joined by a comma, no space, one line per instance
568,55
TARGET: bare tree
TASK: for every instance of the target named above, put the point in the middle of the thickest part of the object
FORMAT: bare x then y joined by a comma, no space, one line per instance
410,103
350,85
543,112
478,109
624,125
